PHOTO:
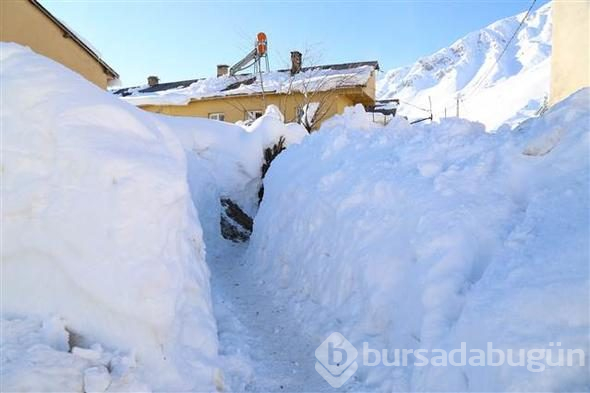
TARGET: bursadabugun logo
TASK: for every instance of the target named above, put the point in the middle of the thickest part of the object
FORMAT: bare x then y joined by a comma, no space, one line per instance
336,360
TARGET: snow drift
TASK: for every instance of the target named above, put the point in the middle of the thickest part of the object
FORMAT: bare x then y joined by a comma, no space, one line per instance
421,237
230,156
98,225
493,91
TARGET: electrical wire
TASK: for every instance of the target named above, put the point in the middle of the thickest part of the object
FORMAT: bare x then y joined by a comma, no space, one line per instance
479,83
415,106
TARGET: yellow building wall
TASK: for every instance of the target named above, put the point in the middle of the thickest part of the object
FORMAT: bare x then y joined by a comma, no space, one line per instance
25,24
570,60
235,108
371,88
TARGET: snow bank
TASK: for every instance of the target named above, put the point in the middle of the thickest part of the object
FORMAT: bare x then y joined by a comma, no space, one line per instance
229,154
98,226
420,237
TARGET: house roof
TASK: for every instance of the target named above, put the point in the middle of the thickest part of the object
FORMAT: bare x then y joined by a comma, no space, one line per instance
315,78
77,39
340,66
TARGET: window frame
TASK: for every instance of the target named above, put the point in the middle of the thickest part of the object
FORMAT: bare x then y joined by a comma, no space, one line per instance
219,116
247,112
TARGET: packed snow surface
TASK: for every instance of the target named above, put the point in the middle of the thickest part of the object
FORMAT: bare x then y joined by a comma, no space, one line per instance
491,90
98,228
426,236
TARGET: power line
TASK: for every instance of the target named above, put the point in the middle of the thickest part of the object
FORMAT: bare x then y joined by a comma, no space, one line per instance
415,106
479,83
460,97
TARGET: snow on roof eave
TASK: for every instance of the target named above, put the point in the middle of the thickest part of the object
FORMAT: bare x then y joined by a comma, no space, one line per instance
180,97
364,68
259,93
181,100
80,41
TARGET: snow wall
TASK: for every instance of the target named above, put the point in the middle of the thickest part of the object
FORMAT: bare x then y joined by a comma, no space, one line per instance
426,236
98,224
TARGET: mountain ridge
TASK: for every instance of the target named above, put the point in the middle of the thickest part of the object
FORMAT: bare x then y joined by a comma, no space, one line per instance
515,85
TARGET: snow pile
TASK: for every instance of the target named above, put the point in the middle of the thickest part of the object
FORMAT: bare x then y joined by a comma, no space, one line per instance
37,357
352,117
99,229
230,156
321,78
421,237
510,91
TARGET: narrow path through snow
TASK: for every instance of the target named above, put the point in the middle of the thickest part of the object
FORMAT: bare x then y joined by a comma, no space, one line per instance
263,346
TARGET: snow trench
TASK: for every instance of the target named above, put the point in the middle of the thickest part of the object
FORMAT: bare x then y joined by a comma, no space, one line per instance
419,237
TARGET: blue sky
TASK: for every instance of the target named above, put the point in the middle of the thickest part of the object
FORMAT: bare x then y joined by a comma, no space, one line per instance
187,39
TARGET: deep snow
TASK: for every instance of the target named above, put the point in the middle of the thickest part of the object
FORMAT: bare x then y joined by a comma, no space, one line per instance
404,236
231,155
98,227
36,357
104,280
224,160
420,237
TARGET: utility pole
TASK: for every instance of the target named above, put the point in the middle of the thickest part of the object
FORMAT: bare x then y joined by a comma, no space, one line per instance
458,102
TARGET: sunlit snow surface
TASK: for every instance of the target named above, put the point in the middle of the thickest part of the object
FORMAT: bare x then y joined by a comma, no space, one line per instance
425,236
98,226
414,237
511,89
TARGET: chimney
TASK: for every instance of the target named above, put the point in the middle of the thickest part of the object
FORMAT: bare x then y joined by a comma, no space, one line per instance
295,62
153,80
222,69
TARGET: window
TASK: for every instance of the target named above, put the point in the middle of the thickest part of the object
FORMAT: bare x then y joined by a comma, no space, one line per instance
217,116
299,112
253,115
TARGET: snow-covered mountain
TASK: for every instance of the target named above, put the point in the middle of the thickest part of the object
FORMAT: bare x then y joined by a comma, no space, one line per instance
493,92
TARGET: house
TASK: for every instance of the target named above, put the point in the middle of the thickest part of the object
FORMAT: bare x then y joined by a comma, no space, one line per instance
28,23
305,94
570,60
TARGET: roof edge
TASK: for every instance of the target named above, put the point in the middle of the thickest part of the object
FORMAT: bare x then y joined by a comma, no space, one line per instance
349,65
352,65
108,69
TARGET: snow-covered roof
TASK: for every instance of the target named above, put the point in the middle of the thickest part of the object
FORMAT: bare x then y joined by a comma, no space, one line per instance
318,78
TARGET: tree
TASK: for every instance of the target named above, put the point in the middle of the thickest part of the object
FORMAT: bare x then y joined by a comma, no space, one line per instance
318,87
313,88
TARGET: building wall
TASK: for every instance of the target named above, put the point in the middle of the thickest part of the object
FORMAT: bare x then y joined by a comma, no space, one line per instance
25,24
570,60
234,108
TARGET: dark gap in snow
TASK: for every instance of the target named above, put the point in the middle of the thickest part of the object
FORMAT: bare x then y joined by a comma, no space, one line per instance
235,224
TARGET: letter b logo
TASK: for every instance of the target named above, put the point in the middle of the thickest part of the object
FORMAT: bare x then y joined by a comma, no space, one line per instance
336,357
